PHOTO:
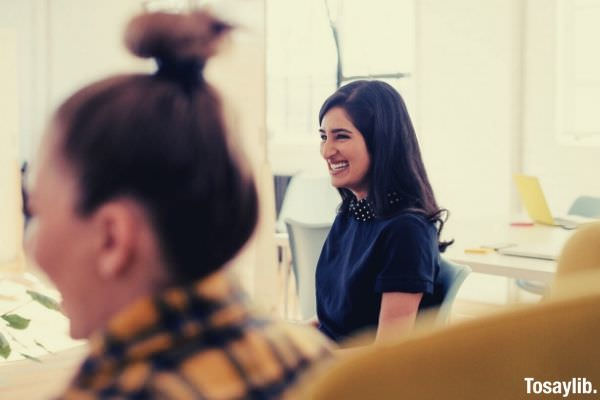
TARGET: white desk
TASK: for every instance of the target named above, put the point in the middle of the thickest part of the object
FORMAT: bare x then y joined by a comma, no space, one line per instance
474,234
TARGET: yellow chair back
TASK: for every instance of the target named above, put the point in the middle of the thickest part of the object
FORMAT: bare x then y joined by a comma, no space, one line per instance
489,358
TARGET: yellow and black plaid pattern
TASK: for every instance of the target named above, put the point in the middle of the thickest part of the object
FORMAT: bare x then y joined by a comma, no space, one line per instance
196,342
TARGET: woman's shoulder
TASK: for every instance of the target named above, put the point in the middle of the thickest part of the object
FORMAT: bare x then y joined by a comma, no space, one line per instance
408,219
409,231
409,222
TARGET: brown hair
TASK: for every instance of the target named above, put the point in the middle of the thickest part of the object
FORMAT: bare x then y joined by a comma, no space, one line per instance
161,139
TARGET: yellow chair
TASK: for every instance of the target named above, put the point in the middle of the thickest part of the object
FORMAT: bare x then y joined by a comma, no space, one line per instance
584,206
581,252
579,261
488,358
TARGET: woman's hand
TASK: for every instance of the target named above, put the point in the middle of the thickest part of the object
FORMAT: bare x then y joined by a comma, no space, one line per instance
312,321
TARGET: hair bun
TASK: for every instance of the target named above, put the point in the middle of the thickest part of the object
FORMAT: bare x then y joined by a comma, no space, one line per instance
175,37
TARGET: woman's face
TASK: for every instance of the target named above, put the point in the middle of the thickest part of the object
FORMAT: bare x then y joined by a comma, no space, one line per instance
61,242
344,149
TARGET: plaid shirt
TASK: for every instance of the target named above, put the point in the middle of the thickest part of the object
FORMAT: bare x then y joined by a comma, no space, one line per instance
195,342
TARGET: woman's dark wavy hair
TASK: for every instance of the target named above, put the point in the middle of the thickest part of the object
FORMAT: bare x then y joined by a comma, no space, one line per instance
161,139
379,113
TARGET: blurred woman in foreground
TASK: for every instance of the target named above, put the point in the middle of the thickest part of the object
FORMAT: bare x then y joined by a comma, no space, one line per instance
139,202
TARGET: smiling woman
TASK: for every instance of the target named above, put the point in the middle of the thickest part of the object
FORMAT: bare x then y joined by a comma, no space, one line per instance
380,262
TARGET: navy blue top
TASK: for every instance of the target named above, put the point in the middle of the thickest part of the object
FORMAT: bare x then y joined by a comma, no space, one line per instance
361,260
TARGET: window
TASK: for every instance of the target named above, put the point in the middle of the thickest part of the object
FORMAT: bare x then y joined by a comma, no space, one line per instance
301,62
374,39
578,72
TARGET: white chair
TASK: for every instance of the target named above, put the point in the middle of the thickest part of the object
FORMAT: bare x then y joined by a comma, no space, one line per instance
452,276
306,243
310,199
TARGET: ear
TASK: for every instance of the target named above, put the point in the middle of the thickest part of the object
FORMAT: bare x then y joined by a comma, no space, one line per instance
117,226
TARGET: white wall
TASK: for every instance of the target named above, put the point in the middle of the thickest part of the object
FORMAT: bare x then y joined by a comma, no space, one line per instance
565,171
16,16
16,115
487,106
64,44
51,47
86,43
10,212
468,101
238,72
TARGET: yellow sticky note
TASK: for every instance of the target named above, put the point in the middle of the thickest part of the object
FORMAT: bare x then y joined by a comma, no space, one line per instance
478,250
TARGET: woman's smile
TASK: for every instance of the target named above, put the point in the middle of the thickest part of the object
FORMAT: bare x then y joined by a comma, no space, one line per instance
338,167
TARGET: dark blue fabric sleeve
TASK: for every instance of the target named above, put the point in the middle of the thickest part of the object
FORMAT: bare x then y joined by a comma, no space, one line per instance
407,256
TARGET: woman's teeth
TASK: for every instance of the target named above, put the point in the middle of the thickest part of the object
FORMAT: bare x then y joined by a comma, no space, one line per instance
338,166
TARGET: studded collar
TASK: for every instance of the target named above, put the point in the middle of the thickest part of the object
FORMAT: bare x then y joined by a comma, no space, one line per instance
363,210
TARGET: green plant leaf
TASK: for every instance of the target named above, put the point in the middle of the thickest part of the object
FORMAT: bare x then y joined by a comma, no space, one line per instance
15,321
32,358
4,347
44,300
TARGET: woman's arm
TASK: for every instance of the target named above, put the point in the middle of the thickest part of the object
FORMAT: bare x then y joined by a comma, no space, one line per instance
397,314
396,317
